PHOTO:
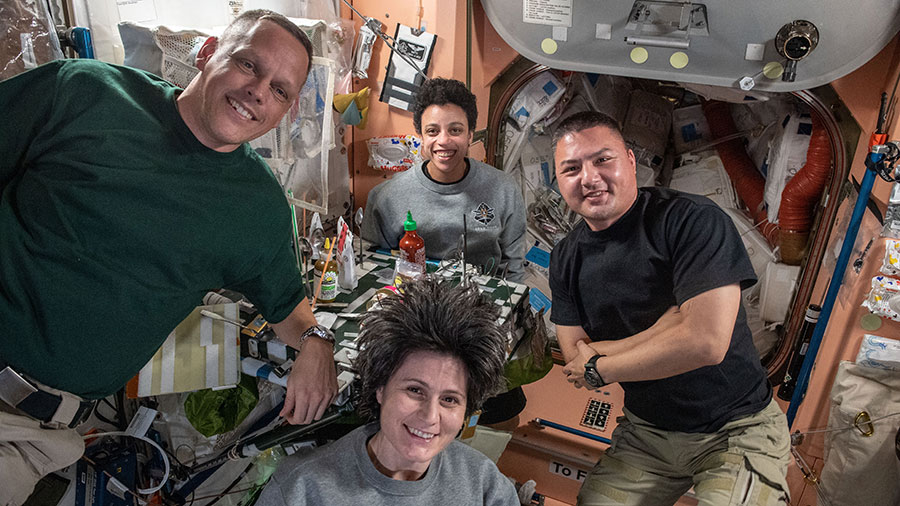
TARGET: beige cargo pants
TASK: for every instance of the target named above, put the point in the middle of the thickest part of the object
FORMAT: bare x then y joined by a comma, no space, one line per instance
29,450
744,463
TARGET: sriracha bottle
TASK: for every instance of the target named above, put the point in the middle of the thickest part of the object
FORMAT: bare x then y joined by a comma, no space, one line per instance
412,247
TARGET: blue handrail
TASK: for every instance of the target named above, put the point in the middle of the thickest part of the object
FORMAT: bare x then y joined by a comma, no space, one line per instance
79,39
570,430
865,189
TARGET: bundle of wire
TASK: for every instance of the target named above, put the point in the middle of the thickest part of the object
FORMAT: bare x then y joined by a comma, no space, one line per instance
165,459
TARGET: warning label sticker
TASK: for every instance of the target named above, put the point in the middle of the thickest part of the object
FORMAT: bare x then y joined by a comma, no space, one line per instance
547,12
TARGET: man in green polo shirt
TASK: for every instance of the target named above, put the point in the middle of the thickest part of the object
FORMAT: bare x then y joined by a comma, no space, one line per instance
123,200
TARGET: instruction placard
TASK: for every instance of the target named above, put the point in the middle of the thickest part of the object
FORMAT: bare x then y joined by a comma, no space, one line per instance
547,12
572,473
136,10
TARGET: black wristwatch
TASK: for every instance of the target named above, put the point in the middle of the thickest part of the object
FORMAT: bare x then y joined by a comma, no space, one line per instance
318,331
591,376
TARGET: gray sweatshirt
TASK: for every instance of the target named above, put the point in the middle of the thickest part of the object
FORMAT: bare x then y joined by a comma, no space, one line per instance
489,199
343,474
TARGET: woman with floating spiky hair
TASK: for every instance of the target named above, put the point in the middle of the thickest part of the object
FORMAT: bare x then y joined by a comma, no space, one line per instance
429,357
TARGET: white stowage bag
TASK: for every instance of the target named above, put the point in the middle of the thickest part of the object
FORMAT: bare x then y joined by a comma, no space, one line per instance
787,155
879,353
531,104
859,469
708,178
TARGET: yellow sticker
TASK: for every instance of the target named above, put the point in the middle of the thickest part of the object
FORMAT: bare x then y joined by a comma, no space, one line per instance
678,60
549,46
639,55
773,70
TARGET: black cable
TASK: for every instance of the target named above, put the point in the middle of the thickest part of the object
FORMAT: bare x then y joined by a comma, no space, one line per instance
119,422
890,108
375,25
102,418
233,484
179,470
120,409
115,409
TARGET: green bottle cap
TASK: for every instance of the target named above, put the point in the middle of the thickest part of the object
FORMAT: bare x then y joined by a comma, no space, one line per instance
409,224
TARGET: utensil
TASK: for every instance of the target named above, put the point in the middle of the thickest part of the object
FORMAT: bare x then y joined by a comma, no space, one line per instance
215,316
358,219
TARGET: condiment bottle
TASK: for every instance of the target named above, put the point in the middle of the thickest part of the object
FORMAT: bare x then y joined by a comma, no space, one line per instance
412,247
329,288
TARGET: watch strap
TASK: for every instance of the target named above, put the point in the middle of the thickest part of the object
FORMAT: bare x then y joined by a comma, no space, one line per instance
590,369
593,360
319,332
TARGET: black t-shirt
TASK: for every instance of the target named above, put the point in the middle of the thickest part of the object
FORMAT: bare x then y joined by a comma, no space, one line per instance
614,283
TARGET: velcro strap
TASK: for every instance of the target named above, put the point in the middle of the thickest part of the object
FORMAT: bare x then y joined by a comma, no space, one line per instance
617,495
40,405
399,83
48,407
395,88
619,467
68,410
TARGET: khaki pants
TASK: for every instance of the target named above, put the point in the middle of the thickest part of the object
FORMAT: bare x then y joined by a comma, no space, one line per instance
30,449
744,463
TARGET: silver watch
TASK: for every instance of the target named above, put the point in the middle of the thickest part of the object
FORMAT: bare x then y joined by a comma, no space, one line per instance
318,331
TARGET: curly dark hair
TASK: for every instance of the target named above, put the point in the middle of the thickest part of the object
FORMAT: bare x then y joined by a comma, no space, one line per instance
242,24
436,315
582,121
440,91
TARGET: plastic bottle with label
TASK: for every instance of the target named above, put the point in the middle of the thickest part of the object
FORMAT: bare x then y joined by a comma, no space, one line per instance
318,266
329,275
412,247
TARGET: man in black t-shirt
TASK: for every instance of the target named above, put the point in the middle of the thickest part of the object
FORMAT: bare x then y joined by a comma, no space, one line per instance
647,293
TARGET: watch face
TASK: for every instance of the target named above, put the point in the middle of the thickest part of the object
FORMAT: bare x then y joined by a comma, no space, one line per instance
592,378
320,332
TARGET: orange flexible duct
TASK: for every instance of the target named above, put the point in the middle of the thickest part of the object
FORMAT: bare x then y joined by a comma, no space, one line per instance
748,182
804,189
798,200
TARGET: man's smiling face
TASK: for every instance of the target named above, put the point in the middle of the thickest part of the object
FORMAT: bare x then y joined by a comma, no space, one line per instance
595,171
246,85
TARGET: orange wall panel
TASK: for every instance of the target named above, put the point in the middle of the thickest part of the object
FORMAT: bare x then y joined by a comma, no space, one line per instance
447,20
861,93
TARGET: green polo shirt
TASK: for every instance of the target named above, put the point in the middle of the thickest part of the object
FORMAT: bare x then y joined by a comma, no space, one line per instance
115,221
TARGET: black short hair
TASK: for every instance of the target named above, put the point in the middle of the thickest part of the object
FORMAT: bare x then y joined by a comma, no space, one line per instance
582,121
440,91
437,315
242,24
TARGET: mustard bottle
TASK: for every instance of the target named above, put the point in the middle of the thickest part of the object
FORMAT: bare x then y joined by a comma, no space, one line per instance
329,288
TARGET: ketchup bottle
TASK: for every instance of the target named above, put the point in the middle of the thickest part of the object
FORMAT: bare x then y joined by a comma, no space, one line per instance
412,247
